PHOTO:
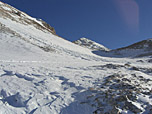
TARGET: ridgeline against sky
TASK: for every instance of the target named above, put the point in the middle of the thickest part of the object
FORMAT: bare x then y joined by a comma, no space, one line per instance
113,23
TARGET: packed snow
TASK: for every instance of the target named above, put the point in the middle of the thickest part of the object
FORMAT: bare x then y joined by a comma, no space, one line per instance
41,73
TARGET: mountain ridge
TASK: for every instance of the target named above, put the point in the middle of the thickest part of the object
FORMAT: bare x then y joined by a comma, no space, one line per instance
138,49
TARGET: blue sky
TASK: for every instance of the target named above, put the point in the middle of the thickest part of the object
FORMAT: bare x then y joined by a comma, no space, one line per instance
113,23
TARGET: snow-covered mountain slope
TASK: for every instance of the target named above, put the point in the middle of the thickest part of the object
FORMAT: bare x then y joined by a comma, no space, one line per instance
84,42
41,73
139,49
34,32
143,48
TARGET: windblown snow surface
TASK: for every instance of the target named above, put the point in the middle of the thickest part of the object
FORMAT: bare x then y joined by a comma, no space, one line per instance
41,73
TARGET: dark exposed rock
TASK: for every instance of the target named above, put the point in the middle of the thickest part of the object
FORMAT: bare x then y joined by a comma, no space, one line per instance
121,98
135,68
109,66
48,49
131,107
150,60
126,80
113,66
140,61
122,85
48,26
119,92
127,65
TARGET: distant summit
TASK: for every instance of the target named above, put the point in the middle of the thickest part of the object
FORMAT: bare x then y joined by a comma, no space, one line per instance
84,42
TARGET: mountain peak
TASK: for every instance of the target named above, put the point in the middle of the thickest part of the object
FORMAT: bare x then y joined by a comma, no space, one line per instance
87,43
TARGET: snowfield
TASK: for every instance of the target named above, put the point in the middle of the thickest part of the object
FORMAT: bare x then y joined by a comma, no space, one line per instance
42,73
70,86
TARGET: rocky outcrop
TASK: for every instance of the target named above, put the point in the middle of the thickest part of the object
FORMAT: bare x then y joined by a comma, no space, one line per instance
12,13
121,93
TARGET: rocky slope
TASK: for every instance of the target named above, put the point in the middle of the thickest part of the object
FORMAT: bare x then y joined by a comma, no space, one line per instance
35,32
